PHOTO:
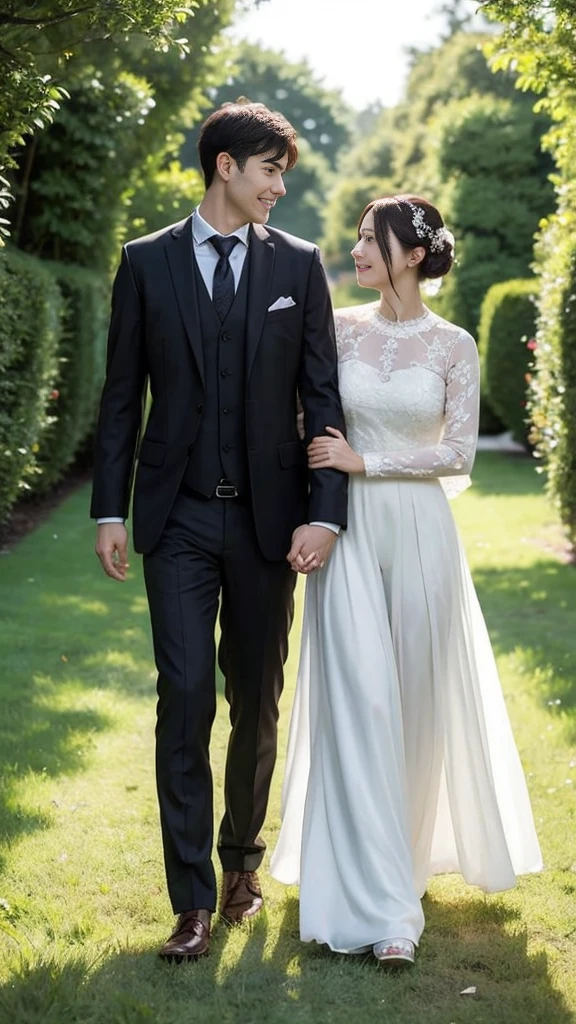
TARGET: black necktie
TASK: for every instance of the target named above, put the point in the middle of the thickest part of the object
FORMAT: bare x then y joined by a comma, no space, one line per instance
223,286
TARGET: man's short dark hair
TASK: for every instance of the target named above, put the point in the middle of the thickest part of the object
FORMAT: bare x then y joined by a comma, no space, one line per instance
244,130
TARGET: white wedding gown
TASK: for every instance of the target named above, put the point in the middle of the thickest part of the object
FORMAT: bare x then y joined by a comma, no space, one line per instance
401,760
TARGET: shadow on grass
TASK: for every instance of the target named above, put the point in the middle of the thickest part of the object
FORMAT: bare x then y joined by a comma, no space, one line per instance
470,944
69,636
45,741
530,611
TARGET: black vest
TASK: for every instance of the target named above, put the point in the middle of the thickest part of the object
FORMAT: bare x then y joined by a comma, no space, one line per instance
220,447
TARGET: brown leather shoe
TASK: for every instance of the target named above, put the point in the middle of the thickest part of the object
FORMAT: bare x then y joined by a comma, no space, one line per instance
190,938
241,896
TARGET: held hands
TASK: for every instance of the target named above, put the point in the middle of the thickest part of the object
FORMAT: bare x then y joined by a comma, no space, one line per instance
112,549
334,452
311,546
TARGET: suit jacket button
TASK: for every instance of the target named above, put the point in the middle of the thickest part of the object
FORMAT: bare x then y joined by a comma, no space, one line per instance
226,336
199,407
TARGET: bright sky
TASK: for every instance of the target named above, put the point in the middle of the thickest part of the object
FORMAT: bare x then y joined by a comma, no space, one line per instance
357,47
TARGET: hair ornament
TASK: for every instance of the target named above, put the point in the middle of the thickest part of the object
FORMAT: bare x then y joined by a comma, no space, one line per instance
438,236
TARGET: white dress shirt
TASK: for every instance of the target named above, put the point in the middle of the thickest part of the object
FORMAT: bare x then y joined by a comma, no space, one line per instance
206,255
207,259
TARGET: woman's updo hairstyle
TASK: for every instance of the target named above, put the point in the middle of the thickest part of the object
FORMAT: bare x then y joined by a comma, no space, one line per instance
415,222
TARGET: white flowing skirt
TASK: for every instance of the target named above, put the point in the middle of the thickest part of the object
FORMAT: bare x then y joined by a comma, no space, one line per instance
401,760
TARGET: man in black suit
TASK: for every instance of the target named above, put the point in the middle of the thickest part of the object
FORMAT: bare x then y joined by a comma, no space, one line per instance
229,322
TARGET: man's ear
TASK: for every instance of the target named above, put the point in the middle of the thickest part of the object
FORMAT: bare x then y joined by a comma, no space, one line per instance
224,163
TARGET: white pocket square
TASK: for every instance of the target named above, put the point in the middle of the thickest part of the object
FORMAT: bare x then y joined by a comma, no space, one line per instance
281,303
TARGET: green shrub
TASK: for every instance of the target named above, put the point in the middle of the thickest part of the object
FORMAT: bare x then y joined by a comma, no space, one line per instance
552,403
80,366
507,328
481,264
31,309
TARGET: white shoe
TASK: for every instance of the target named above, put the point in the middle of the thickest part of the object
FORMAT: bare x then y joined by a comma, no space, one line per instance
394,951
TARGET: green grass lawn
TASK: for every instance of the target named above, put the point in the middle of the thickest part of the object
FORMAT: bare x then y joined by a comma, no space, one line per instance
83,907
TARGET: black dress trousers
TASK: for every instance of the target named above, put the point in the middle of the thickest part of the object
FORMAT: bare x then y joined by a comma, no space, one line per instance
208,548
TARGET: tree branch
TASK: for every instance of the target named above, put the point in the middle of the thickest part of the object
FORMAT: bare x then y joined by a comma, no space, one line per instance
57,19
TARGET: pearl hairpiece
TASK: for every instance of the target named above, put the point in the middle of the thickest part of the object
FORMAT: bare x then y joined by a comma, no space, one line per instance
438,237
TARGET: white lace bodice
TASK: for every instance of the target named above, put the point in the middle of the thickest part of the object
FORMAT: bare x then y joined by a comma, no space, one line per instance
410,392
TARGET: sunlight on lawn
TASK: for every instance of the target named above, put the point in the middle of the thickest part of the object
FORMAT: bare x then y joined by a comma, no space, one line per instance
83,906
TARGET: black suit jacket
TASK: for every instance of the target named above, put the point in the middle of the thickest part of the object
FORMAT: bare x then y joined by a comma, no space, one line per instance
155,336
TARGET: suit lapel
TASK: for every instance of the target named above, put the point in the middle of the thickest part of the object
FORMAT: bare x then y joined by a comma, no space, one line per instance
262,254
180,253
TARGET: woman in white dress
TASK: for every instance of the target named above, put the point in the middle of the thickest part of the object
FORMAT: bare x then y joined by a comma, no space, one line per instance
401,760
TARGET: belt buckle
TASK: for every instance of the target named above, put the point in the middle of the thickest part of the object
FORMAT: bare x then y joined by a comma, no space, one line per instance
225,489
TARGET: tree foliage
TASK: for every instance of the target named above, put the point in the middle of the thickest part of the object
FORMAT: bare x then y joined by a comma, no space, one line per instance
38,38
459,17
319,115
346,204
72,177
401,144
494,197
115,135
456,70
163,195
539,43
373,153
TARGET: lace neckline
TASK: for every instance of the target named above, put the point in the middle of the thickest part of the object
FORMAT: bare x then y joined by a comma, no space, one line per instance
400,326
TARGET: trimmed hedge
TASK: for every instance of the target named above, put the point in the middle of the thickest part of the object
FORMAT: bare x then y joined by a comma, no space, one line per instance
81,359
507,329
553,392
53,326
31,309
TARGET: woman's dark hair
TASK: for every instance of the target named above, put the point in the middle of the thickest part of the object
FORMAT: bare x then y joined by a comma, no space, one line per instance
244,130
398,214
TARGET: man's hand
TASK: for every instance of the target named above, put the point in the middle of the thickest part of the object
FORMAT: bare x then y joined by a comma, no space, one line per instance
311,546
112,549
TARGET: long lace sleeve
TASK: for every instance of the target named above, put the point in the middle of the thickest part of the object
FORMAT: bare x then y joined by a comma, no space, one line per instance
454,455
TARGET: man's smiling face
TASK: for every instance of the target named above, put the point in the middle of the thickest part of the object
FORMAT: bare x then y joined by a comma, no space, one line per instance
254,190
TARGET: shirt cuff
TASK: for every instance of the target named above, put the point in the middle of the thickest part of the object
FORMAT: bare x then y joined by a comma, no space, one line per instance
329,526
110,519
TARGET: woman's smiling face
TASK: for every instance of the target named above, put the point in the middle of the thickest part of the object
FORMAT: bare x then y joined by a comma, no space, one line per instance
371,270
